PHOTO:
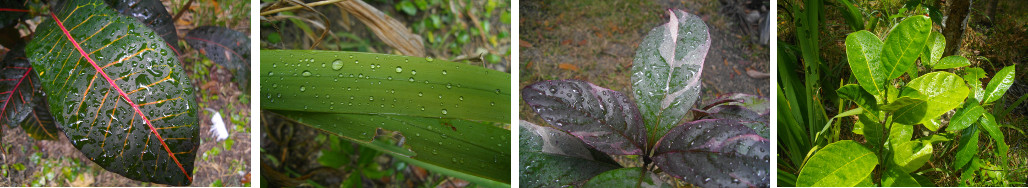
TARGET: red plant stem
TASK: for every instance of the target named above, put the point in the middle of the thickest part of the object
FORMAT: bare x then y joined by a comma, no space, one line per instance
122,93
13,10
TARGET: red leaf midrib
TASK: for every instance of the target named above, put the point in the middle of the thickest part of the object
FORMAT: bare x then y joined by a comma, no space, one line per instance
7,102
120,92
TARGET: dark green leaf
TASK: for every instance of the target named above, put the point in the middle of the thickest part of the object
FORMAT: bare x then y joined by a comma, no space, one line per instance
999,84
226,47
603,118
667,69
552,158
626,177
841,164
863,51
904,44
153,14
118,92
854,93
873,129
968,147
715,152
21,98
989,124
852,15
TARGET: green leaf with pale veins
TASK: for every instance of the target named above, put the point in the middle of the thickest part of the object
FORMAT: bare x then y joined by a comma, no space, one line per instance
966,116
942,92
950,62
863,51
841,164
999,84
933,50
973,77
904,44
911,155
118,92
666,71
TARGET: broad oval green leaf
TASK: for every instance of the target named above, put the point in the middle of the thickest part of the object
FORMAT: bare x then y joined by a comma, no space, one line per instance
666,71
933,50
894,177
999,84
627,177
118,92
859,96
21,98
863,50
904,44
367,83
950,62
911,155
941,92
602,118
715,153
873,129
553,158
966,116
841,164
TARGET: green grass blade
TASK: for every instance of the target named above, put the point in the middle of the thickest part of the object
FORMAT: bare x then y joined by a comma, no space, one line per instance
367,83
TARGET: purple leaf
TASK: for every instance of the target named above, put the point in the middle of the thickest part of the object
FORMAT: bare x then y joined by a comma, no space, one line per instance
715,153
603,118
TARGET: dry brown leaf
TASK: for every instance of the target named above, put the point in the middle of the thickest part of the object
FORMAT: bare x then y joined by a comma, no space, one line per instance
568,66
524,44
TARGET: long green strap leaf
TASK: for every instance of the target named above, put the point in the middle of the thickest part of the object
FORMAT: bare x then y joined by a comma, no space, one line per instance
367,83
443,111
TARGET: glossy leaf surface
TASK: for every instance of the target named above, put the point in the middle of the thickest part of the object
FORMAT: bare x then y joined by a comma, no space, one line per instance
118,92
153,14
989,124
841,164
941,92
715,152
474,151
553,158
602,118
999,84
904,44
966,116
21,100
862,98
368,83
967,148
666,71
626,177
934,49
226,47
863,52
973,77
911,155
950,62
